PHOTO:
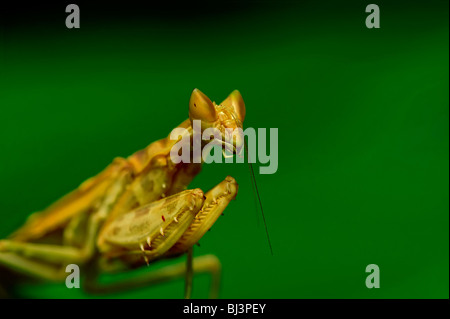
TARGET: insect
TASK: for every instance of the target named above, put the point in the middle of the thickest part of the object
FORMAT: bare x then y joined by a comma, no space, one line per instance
136,211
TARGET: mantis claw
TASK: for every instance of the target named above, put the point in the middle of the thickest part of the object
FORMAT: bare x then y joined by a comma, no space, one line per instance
217,199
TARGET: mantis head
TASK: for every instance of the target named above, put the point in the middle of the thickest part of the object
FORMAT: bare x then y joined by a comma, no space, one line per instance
225,118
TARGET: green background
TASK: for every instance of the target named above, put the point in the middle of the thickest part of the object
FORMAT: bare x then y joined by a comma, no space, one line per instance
362,116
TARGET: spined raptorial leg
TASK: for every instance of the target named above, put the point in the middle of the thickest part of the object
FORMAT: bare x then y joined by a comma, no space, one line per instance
216,201
40,260
189,274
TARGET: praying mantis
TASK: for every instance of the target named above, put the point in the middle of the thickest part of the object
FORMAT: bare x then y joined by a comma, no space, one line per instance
135,212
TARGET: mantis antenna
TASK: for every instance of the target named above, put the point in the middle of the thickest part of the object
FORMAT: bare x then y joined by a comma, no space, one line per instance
257,195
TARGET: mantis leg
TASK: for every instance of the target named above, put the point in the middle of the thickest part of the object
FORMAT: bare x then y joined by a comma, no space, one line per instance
189,275
58,254
203,264
32,268
216,200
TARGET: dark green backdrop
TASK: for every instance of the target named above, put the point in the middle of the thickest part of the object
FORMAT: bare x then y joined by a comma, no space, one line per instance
363,126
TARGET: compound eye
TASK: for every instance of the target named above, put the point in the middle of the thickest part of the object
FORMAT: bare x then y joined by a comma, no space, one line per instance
201,107
236,102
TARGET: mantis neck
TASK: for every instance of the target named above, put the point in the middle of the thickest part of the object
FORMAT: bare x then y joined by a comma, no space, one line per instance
141,159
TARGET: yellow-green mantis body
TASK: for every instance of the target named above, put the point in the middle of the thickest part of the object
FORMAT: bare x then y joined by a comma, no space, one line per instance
136,211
